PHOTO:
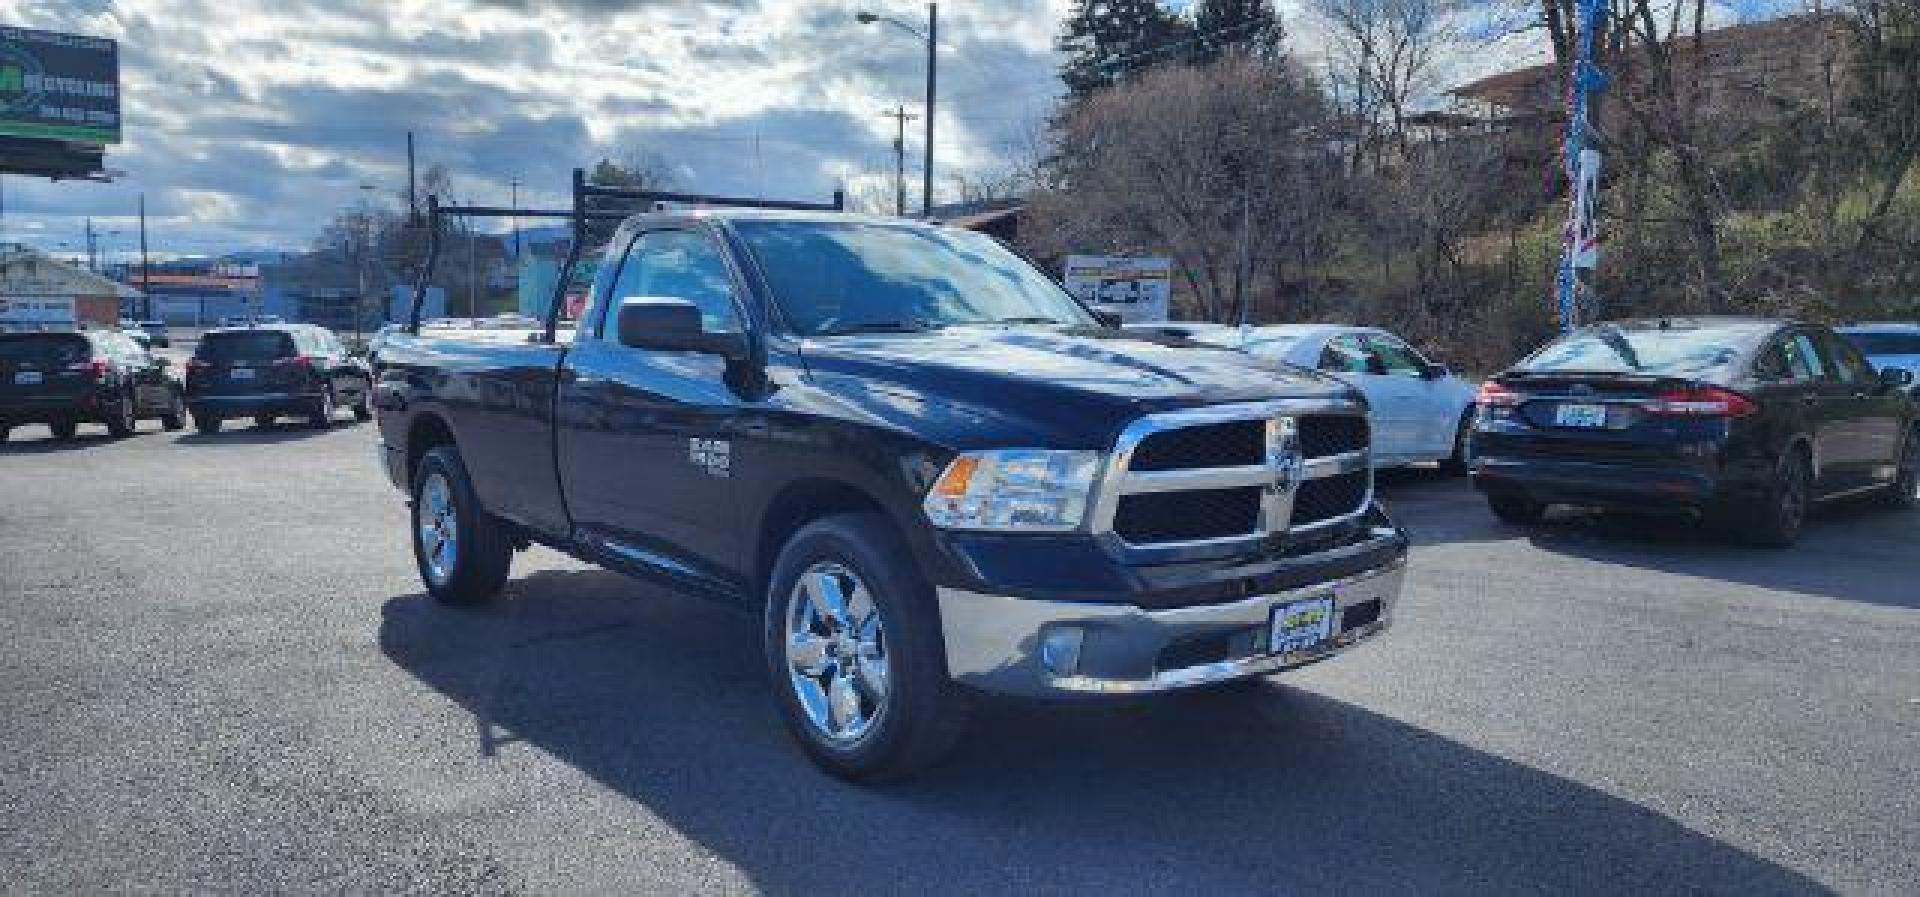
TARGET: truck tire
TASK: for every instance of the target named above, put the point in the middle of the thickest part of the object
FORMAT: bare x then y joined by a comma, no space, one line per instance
854,652
462,551
207,423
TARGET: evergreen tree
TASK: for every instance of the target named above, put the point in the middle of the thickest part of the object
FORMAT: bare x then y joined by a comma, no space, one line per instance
1223,25
1107,40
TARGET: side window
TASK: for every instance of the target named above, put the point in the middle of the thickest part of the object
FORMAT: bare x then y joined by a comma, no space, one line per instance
1771,364
678,264
1396,357
1808,357
1847,363
1345,355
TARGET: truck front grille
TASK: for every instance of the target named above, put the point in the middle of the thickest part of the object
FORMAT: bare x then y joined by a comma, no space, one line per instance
1187,516
1231,444
1234,473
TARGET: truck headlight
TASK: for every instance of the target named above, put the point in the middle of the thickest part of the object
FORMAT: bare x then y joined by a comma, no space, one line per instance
1032,490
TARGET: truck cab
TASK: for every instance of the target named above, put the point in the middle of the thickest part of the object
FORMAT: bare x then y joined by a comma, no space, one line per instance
919,464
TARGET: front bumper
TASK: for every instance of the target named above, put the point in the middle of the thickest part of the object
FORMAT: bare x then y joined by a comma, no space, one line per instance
1009,645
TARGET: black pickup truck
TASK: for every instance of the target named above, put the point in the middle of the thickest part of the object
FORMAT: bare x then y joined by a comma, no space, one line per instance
919,463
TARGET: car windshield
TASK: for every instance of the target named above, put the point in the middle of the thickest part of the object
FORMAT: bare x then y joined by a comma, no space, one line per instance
41,350
254,345
1641,349
856,277
1885,342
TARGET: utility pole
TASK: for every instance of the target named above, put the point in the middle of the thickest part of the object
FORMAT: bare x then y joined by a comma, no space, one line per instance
413,199
146,296
926,176
1580,241
901,116
515,184
93,256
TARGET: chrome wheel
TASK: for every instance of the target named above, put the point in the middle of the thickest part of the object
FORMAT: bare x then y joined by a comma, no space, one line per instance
836,650
439,532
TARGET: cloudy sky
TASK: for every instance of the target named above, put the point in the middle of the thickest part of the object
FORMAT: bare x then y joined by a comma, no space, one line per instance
248,123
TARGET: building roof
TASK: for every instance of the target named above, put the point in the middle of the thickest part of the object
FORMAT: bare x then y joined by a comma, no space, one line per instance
27,271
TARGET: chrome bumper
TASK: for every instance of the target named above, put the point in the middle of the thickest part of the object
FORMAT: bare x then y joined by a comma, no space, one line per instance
1022,647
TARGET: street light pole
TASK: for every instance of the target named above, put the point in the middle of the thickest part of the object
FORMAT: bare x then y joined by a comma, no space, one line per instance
932,38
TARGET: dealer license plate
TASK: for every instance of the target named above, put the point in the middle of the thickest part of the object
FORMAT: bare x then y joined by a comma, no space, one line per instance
1302,625
28,378
1587,416
240,374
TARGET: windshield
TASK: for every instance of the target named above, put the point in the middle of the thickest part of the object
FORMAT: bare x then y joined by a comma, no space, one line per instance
853,277
1640,349
1885,343
53,349
255,345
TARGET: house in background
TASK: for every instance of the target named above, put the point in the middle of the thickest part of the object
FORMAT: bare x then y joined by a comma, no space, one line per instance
39,292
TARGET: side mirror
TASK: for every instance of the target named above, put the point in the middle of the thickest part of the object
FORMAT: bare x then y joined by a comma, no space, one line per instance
665,324
1894,378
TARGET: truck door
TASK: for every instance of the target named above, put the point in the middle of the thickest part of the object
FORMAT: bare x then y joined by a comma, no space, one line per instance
645,437
1871,415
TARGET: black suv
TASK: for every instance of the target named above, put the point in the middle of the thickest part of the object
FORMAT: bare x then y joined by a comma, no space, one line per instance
1747,421
94,376
271,371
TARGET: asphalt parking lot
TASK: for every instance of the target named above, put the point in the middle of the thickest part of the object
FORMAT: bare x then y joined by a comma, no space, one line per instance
220,674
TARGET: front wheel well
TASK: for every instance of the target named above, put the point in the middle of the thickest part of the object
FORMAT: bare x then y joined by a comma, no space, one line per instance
797,505
426,433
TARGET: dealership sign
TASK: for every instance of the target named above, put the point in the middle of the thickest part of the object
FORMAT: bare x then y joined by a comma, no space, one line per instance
59,86
1136,289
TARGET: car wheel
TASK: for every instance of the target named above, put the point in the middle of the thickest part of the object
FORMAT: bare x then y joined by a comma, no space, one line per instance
1783,512
176,414
207,423
1514,507
322,415
1460,463
64,429
463,552
854,653
122,420
1904,492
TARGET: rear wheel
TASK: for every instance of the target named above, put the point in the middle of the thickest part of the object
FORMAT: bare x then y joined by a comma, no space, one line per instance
207,423
1461,462
463,552
1783,511
1514,507
176,413
854,652
63,429
322,415
121,418
1904,492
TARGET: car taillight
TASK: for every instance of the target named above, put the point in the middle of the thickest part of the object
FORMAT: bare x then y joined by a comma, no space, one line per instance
1700,401
1493,395
93,369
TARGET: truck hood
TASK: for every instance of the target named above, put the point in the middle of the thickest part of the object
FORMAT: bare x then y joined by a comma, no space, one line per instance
1046,388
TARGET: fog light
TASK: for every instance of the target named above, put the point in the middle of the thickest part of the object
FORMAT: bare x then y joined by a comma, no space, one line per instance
1060,649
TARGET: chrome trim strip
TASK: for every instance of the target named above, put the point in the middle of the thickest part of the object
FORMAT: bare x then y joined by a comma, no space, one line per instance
1194,479
1335,465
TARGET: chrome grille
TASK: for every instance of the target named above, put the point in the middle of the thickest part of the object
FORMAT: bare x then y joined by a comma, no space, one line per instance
1235,473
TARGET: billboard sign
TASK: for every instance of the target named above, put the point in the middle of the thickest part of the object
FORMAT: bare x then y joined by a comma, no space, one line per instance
59,86
1136,289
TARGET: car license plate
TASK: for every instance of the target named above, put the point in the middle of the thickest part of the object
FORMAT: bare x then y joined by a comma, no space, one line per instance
240,374
28,378
1302,625
1589,416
